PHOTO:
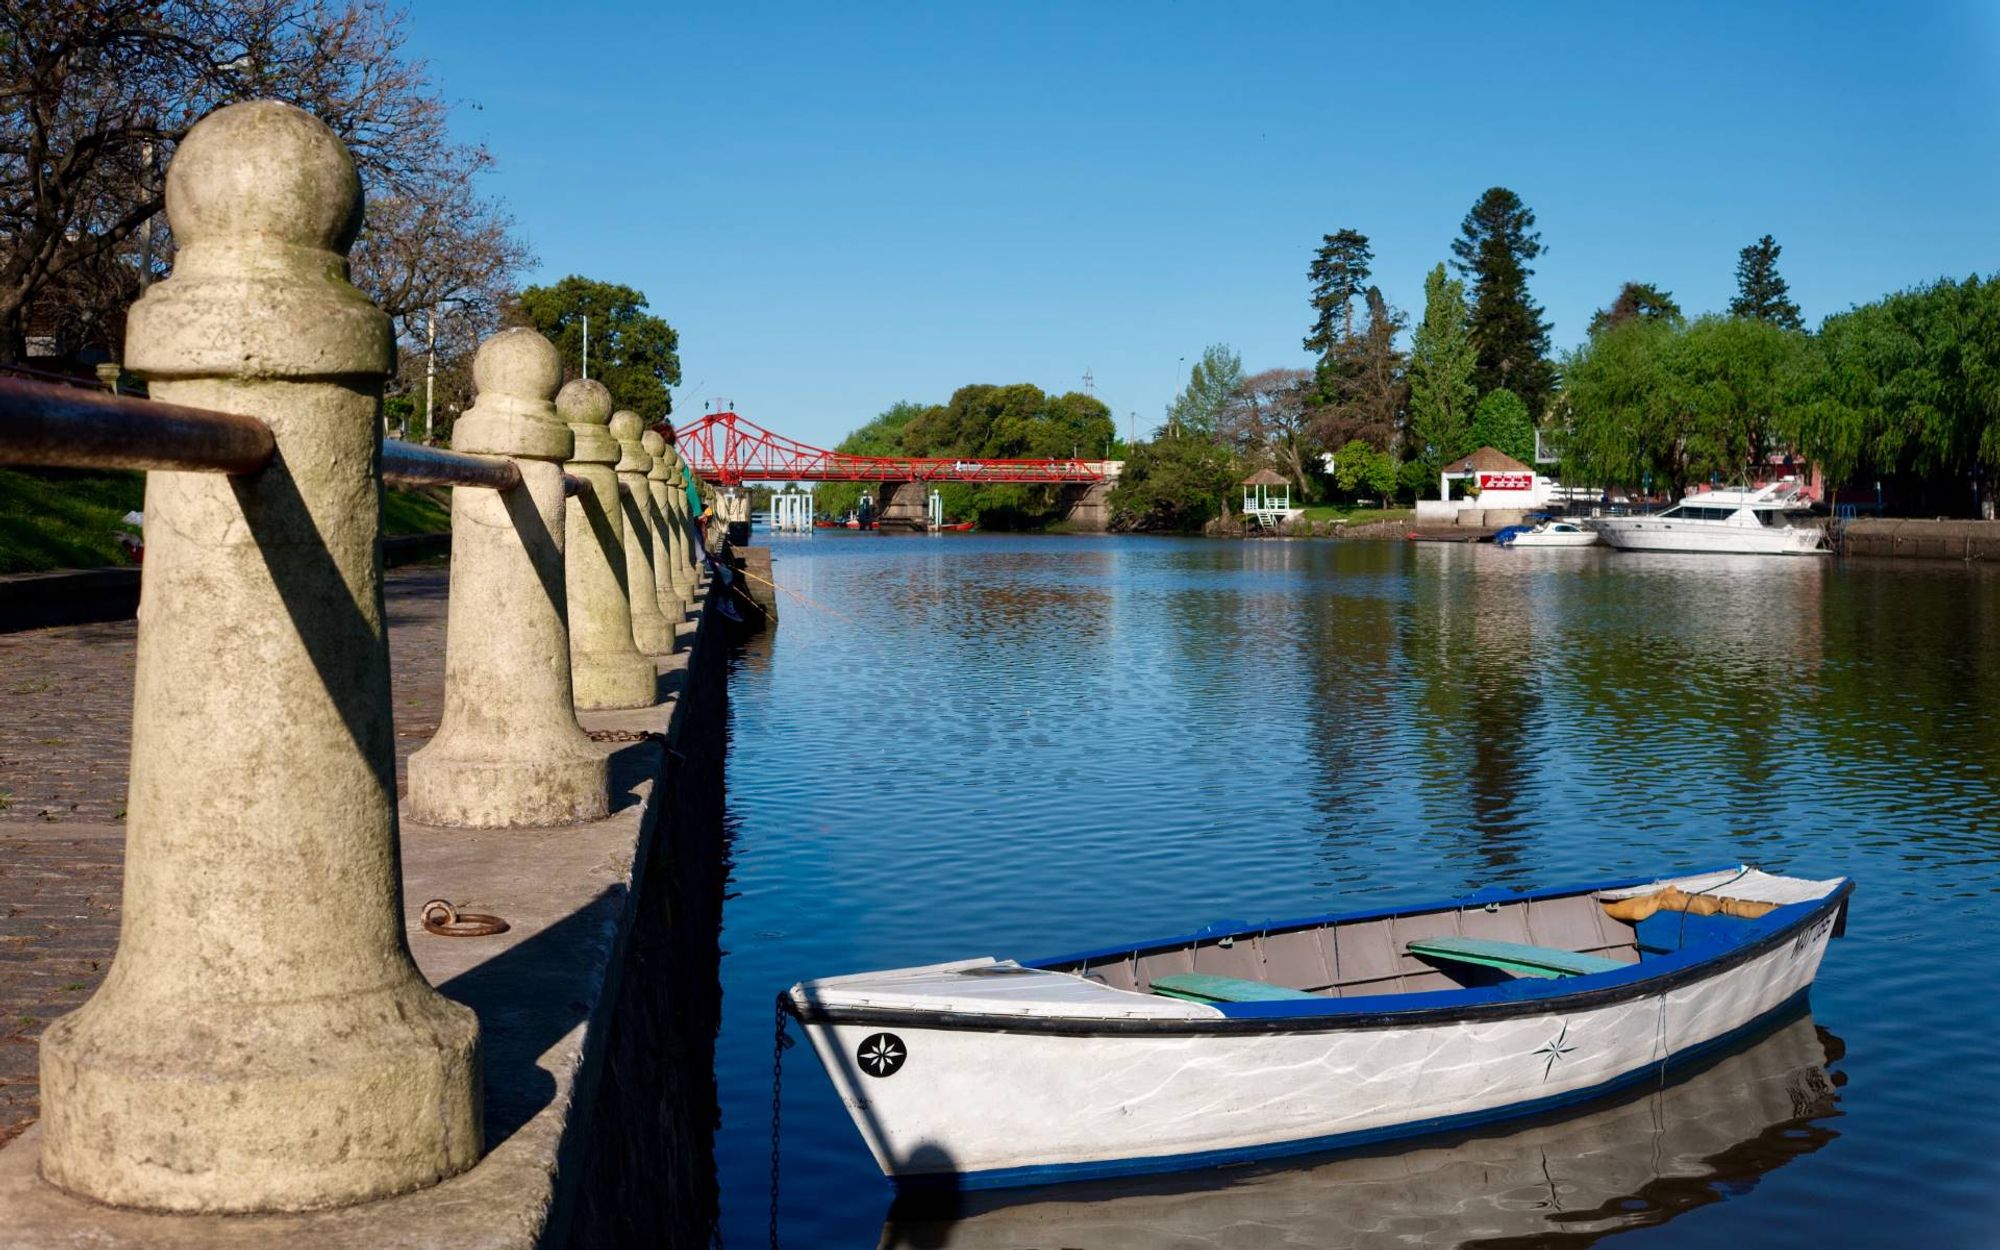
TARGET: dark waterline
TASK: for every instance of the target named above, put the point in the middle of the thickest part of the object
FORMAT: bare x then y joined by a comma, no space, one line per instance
1012,746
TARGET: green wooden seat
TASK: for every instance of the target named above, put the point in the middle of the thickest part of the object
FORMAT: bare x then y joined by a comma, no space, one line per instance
1517,958
1200,987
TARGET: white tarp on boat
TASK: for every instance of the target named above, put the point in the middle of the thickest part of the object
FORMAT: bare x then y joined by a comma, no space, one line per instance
1745,883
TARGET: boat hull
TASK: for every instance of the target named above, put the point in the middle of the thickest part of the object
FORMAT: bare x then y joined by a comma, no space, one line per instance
984,1107
1585,539
1643,535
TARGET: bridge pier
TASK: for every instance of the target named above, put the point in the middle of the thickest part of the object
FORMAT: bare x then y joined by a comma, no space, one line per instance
1089,510
903,506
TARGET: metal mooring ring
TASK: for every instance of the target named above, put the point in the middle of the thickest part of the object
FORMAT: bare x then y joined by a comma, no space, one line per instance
441,918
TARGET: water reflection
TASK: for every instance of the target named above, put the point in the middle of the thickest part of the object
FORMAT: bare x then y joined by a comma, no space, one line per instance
1022,745
1634,1163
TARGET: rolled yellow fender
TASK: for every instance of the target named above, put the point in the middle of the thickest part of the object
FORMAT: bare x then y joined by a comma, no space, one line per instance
1673,898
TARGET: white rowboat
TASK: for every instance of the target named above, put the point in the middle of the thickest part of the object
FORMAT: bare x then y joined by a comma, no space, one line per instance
1243,1042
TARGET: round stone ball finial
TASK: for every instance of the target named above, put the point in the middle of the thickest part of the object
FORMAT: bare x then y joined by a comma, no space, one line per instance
584,401
626,425
653,442
266,171
517,362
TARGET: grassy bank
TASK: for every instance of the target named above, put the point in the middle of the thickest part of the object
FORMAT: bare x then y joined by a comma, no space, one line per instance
1358,515
71,519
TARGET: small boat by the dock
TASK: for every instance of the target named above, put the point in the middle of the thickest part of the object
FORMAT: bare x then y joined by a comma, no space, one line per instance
1241,1042
1549,534
1774,520
1628,1162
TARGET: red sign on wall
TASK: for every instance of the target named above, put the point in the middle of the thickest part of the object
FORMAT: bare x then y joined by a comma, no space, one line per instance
1506,481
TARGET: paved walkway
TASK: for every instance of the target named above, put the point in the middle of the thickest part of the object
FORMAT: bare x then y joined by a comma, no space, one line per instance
65,745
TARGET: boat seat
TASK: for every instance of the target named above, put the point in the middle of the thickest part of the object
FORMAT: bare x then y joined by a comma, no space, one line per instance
1517,958
1200,987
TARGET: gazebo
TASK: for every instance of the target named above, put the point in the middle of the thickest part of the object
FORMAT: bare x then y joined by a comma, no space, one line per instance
1267,499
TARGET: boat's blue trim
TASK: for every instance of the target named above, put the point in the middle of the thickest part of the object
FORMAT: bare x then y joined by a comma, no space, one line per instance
1050,1174
1478,898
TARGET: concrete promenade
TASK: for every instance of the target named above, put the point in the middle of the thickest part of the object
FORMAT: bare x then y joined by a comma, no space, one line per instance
537,989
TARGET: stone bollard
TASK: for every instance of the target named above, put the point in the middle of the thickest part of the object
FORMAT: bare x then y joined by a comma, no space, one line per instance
687,573
263,1041
669,543
606,666
508,751
650,627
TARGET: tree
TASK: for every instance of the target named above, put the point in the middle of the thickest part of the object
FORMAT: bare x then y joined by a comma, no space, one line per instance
1211,382
1761,294
1497,240
1442,362
1361,469
1269,420
1639,300
1363,392
634,353
1681,403
100,91
1175,483
1339,275
1907,387
984,421
1502,423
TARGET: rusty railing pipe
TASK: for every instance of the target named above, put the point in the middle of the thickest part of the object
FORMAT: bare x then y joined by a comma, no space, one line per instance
413,464
66,427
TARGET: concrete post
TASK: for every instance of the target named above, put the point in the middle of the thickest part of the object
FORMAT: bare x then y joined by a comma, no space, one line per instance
687,577
605,664
650,627
508,751
263,1041
669,542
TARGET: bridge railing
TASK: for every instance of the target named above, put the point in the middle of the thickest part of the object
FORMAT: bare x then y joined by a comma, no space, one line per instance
237,1058
731,449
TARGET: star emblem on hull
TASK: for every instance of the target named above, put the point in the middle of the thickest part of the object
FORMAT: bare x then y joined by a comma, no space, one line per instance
881,1054
1555,1050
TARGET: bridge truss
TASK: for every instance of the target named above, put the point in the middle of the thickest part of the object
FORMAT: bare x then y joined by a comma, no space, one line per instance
729,449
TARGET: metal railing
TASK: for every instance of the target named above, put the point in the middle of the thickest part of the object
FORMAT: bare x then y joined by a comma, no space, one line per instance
68,427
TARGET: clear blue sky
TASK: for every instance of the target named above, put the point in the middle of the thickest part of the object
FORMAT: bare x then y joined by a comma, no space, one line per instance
843,205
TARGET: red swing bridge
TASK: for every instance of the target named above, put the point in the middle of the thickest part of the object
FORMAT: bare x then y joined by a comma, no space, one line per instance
729,449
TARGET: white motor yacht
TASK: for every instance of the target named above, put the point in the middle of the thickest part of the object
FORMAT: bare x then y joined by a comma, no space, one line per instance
1772,520
1554,534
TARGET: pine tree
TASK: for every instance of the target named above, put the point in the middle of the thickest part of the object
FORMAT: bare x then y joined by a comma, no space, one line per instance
1211,383
1641,301
1760,292
1441,365
1339,275
1497,240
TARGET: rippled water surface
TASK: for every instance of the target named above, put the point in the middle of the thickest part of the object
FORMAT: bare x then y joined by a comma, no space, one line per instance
1017,746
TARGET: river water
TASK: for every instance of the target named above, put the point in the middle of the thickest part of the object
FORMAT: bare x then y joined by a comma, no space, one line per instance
1017,746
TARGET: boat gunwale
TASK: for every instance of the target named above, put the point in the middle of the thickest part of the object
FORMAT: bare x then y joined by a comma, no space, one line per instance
1381,1011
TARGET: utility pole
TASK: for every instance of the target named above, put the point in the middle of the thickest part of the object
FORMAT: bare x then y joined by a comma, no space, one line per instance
431,374
586,346
1089,382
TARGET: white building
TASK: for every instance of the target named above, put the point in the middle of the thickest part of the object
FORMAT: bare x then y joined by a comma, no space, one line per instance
1494,482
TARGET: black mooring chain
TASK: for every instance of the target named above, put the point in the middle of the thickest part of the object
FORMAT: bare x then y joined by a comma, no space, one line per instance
780,1043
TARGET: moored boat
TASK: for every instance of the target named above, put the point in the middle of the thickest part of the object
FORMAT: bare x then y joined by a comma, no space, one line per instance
1551,534
1772,520
1241,1042
1632,1161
